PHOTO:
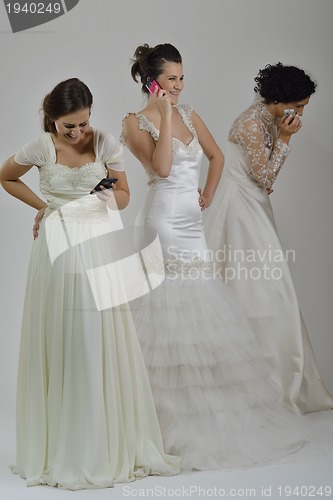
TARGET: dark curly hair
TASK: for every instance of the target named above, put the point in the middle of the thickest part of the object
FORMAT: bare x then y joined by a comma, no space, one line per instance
148,62
279,83
67,97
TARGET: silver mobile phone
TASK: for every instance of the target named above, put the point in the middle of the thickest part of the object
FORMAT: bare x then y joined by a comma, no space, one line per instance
290,112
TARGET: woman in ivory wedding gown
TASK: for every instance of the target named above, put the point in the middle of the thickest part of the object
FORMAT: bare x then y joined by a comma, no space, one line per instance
85,412
216,403
241,231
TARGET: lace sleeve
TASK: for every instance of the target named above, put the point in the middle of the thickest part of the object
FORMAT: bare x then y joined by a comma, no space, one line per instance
186,111
147,126
144,124
264,164
122,139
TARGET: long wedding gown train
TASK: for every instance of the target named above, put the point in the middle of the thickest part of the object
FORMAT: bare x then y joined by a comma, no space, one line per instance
216,403
241,231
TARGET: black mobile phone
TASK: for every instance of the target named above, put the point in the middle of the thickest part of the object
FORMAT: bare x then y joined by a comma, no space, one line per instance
106,182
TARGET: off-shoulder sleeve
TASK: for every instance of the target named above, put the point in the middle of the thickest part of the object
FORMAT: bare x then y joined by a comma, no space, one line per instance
36,152
264,164
109,151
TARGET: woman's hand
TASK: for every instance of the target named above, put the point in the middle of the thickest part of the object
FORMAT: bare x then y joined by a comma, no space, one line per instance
38,220
108,196
290,126
161,101
204,202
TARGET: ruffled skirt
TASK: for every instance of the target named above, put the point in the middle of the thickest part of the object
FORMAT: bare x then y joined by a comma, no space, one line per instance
216,403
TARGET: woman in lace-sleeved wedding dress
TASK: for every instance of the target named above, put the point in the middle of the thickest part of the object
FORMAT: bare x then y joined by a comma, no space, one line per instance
85,412
241,230
216,403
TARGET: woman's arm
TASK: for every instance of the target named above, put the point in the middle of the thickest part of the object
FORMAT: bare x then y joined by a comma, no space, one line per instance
264,168
157,156
215,158
10,174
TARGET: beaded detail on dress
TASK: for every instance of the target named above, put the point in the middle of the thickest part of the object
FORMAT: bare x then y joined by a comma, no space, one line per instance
256,131
72,175
179,268
191,269
83,208
86,210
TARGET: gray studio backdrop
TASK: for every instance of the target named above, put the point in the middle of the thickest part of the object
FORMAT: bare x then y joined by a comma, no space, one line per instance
223,43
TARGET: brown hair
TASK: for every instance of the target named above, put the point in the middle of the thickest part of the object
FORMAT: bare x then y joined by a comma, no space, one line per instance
66,97
148,61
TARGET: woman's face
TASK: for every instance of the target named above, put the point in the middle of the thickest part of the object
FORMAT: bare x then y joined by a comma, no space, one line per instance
172,80
72,127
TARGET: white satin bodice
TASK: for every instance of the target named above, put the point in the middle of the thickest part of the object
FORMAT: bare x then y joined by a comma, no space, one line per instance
171,205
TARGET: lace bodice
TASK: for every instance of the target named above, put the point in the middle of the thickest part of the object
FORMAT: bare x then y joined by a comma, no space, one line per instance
68,188
256,132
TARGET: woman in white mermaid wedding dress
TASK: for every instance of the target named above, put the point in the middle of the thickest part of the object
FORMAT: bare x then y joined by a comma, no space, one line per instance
241,231
85,412
215,400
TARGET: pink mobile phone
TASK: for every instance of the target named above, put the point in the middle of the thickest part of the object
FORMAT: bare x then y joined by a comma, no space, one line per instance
151,86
